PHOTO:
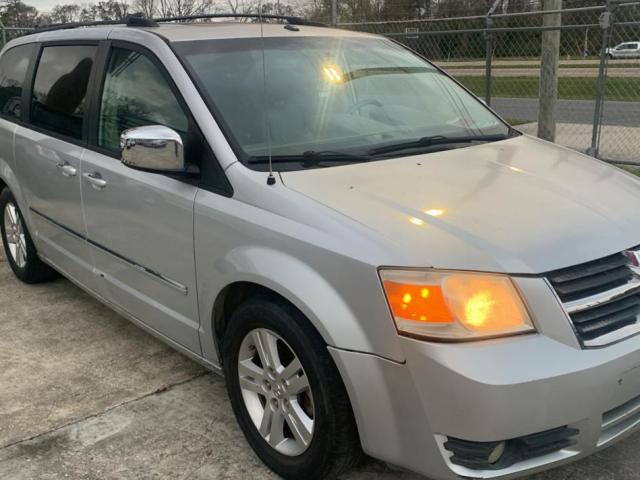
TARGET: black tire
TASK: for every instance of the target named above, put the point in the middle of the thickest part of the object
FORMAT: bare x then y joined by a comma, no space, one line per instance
335,446
34,270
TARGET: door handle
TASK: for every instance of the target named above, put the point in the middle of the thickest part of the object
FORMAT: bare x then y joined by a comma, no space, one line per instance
67,170
95,180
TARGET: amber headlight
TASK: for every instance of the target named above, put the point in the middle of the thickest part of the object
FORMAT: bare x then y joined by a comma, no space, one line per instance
454,305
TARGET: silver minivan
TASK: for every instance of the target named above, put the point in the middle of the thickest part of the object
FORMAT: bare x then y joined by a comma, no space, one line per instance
374,259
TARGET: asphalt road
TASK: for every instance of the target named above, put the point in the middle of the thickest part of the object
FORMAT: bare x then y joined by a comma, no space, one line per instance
570,111
84,394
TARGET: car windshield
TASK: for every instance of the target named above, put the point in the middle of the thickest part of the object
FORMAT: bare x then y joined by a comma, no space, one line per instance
322,101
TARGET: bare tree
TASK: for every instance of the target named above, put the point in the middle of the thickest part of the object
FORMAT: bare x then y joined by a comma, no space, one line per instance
278,8
65,13
106,10
14,13
113,10
147,7
181,8
242,6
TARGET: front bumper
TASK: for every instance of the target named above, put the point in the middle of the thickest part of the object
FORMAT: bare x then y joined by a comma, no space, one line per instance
491,391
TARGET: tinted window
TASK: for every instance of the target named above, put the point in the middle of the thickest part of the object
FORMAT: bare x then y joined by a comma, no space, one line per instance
135,94
13,68
60,88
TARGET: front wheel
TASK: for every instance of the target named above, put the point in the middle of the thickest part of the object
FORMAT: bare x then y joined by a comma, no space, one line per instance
286,392
18,247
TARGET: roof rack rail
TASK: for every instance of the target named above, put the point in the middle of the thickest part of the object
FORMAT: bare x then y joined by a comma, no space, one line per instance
133,20
292,20
139,20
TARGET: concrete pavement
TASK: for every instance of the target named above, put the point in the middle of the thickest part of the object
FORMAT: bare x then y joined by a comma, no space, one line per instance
86,395
64,356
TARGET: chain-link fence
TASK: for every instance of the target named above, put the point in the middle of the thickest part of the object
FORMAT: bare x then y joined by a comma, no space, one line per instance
589,73
9,33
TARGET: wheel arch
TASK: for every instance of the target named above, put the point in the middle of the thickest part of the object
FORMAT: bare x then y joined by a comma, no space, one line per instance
229,299
235,294
338,313
9,180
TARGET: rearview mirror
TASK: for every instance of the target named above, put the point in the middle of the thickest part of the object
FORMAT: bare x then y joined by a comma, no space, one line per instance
153,147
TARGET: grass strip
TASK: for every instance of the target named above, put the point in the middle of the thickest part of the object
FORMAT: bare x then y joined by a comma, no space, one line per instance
612,66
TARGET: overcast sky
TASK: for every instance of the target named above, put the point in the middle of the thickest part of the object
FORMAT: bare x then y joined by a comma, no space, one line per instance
44,5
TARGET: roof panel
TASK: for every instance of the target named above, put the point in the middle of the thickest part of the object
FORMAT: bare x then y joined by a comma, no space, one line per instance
178,32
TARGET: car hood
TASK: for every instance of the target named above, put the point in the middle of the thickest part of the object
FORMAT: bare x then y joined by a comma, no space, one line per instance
520,205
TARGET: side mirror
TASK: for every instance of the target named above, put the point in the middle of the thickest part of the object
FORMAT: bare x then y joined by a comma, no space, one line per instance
154,147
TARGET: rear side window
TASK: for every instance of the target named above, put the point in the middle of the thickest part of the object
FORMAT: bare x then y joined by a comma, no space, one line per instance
13,69
135,94
60,88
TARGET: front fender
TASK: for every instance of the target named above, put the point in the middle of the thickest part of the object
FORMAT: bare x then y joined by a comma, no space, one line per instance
349,313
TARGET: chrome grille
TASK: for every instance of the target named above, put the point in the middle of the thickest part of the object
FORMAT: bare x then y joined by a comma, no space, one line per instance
590,278
602,298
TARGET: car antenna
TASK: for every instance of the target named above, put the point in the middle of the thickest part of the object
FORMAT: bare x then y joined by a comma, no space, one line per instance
271,179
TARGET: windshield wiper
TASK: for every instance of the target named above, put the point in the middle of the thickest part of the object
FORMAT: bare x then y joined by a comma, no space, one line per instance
434,140
312,158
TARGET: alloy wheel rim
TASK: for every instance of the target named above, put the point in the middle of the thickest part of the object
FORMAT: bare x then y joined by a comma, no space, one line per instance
15,236
276,392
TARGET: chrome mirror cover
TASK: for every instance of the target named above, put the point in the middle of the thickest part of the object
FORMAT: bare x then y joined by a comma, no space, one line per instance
152,147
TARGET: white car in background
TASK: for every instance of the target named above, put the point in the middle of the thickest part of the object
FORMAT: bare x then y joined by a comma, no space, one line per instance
624,50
